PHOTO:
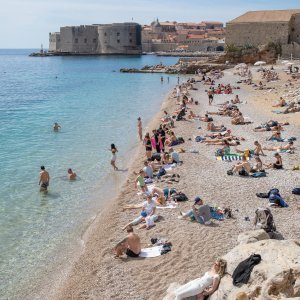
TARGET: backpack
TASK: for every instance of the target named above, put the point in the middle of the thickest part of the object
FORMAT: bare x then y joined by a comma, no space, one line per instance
264,220
180,197
180,140
230,172
296,191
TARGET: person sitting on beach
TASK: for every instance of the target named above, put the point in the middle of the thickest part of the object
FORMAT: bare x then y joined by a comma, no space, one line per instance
239,119
71,175
131,245
171,140
287,147
277,164
212,127
205,285
56,126
258,165
192,115
243,165
140,180
147,215
276,136
148,171
236,100
206,118
174,156
165,158
281,103
199,212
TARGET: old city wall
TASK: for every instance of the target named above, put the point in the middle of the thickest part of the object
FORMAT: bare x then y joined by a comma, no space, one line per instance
257,33
79,39
295,28
119,39
54,42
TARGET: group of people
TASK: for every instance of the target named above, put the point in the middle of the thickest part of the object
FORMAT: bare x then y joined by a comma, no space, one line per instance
44,177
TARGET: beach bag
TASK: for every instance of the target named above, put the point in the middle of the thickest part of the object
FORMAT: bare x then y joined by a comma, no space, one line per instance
264,220
243,172
259,174
219,152
180,197
180,140
199,139
296,191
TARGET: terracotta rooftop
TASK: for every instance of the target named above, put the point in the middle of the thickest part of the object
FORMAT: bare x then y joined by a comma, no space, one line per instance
265,16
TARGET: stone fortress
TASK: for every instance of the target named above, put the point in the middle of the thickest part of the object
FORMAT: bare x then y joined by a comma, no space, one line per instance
96,39
256,28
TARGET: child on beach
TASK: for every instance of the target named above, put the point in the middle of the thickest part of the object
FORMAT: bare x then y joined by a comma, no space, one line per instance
113,150
141,181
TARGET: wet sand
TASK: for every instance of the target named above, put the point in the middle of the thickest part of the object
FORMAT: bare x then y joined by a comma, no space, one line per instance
97,275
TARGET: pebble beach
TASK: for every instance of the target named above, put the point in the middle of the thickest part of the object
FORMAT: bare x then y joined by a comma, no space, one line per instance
98,275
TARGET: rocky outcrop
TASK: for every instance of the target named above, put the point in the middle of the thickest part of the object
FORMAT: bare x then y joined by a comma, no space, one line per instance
252,236
277,276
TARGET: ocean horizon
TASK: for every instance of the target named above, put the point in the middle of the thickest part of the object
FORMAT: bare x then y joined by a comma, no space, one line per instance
95,105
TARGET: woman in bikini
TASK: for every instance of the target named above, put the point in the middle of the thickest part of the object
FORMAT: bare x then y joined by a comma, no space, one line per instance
113,150
148,145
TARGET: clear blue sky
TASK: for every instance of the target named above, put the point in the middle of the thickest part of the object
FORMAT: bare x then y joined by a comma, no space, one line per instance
27,23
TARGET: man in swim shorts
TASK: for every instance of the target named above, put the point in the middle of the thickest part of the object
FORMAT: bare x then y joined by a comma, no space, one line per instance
131,245
44,180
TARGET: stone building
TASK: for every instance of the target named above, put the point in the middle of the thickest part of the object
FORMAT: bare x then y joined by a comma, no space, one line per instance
262,27
185,36
96,39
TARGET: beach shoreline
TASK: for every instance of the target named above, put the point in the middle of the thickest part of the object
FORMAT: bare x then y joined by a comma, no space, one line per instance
96,274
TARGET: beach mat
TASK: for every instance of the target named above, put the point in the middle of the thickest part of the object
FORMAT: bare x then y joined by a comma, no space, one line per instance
151,252
169,205
230,157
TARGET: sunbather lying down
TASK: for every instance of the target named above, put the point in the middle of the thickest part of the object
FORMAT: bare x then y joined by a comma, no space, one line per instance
203,286
286,147
222,142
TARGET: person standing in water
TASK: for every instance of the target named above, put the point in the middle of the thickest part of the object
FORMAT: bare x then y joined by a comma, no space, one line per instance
140,128
44,180
71,175
56,126
113,150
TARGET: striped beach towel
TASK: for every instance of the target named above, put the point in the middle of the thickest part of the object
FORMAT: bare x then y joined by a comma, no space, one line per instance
230,157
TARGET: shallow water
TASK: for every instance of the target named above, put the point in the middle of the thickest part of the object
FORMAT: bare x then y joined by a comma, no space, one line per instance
96,105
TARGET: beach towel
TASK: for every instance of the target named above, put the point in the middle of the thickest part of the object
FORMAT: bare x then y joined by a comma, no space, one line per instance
230,157
151,252
216,213
169,205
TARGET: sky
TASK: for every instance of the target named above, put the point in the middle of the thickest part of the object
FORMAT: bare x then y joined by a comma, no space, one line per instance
27,23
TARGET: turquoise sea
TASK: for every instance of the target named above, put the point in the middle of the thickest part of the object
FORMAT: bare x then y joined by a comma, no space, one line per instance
96,105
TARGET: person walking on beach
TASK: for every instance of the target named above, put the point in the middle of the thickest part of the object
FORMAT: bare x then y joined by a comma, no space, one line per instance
210,97
113,150
131,245
56,126
44,180
140,128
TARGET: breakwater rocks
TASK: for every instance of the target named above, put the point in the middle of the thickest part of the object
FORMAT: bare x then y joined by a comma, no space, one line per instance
182,67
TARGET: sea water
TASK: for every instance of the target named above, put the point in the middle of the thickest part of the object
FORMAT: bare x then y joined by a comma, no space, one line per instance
95,105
